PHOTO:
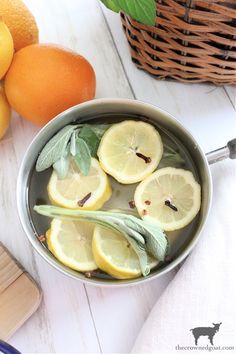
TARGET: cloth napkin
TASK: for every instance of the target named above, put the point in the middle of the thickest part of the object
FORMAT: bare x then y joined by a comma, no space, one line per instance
204,289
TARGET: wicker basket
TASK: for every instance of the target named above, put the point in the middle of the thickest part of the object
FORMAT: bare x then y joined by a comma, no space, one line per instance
192,41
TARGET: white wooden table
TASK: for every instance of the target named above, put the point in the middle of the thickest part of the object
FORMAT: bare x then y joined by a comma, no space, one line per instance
77,318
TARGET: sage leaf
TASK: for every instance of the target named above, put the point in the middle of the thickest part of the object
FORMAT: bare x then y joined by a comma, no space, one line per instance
73,144
130,231
171,157
142,256
155,239
137,246
143,11
99,129
83,156
91,139
55,148
61,166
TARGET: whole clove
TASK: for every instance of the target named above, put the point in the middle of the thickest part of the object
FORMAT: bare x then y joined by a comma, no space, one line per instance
147,159
84,200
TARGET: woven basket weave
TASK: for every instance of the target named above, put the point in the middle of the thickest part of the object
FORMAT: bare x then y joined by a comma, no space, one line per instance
192,41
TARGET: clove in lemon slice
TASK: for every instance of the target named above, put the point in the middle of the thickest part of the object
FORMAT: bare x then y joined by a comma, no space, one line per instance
170,198
130,151
77,191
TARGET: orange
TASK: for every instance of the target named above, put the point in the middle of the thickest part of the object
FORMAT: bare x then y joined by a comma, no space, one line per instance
44,80
20,22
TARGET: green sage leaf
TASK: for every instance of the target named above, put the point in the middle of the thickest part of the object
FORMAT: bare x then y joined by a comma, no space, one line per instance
99,129
55,148
83,156
61,166
73,144
142,256
91,139
171,157
156,241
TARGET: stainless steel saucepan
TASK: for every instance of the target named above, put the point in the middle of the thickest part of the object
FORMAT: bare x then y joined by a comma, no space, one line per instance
31,186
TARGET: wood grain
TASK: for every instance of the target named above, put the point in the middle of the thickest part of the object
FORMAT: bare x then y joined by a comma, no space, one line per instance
19,295
9,270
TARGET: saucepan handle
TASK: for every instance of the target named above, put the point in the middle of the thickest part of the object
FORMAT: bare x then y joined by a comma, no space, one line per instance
7,348
223,153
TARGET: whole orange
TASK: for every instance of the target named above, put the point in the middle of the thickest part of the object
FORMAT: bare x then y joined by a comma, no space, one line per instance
20,22
45,79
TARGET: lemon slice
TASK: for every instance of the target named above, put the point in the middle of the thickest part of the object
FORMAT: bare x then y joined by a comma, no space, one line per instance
170,197
77,191
114,254
130,151
71,243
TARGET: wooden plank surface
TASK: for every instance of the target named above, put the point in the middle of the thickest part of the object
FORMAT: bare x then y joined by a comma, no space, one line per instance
9,270
19,295
83,319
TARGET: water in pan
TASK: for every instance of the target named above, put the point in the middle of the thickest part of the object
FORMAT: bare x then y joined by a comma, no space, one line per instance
122,194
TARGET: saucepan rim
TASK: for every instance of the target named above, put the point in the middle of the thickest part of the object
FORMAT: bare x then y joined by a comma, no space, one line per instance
22,190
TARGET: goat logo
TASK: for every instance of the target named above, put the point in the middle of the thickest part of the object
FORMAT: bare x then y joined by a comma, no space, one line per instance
205,331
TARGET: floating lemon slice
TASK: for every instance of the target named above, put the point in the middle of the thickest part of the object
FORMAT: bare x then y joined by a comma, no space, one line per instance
130,151
77,191
169,197
114,255
71,243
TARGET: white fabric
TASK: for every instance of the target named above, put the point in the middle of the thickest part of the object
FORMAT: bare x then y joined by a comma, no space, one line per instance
204,289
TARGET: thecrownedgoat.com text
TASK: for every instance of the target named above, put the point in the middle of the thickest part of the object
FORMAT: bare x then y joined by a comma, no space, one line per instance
207,347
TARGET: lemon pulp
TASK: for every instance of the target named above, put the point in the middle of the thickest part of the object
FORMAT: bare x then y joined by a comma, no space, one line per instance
130,151
77,191
170,197
71,243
